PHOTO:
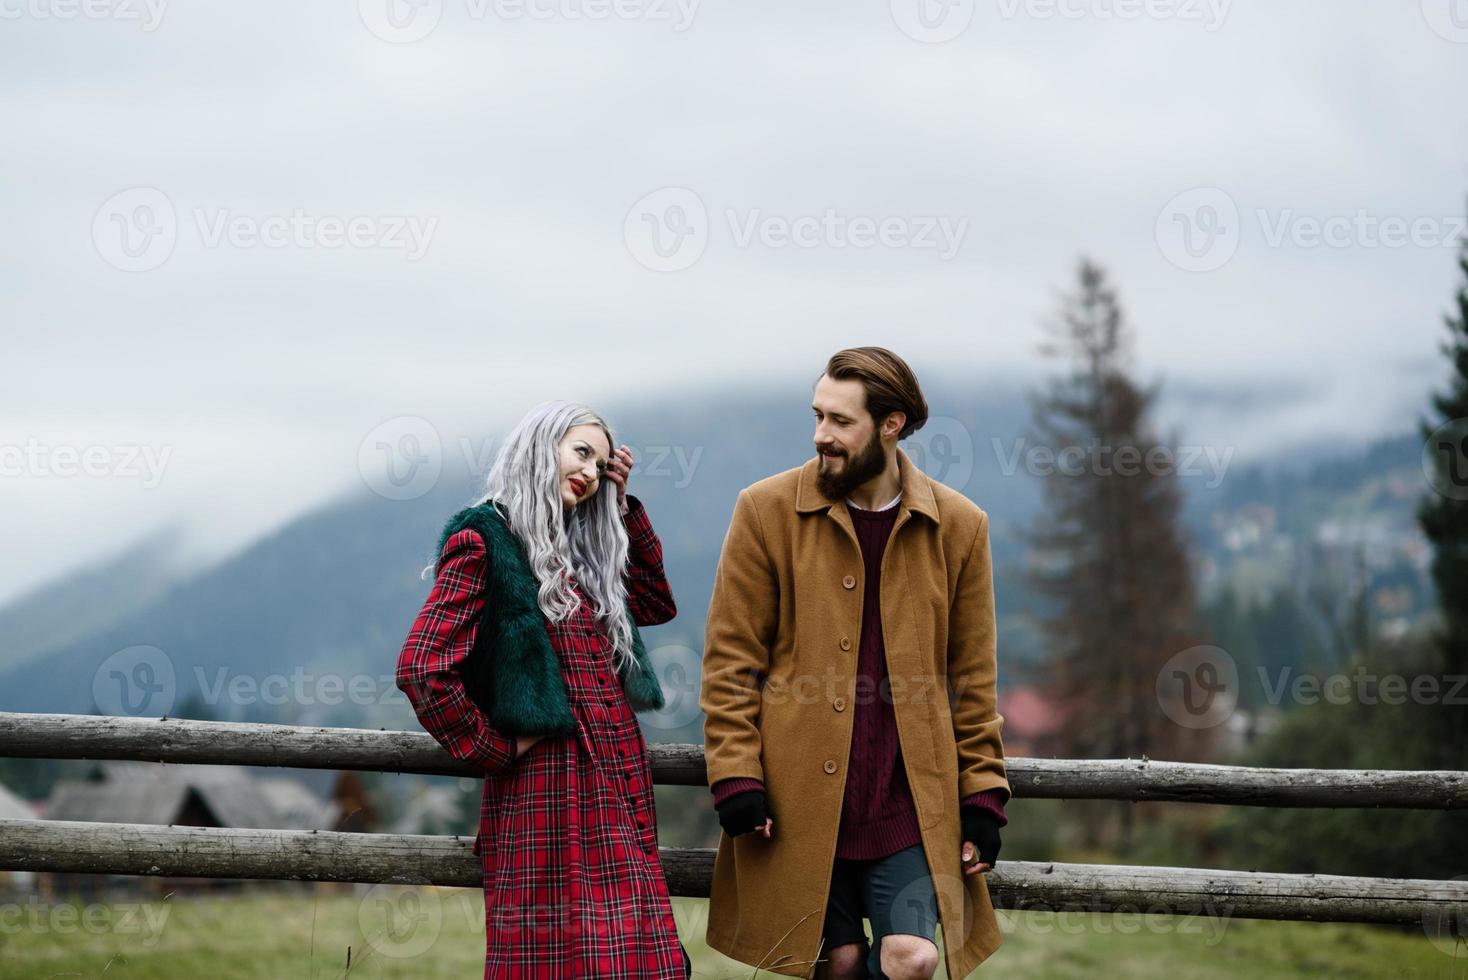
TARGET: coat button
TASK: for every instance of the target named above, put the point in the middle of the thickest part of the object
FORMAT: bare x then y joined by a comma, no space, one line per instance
846,643
839,704
849,581
830,765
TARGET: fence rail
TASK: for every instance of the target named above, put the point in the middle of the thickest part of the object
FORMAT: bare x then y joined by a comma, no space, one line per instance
294,855
179,740
177,851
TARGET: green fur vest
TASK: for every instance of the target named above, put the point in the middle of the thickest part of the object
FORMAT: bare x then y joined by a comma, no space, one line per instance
513,673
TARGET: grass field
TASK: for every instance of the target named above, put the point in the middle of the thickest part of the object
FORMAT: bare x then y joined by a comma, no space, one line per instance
425,934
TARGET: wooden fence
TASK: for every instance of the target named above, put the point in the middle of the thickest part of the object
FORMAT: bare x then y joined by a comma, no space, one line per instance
145,849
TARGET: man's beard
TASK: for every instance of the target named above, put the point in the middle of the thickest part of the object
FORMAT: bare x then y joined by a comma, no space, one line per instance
868,462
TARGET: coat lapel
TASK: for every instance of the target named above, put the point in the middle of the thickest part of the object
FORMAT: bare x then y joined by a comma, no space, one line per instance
917,494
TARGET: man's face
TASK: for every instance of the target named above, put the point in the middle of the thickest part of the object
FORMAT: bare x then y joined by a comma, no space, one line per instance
847,440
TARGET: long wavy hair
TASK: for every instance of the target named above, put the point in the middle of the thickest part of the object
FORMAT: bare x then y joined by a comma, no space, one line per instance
589,543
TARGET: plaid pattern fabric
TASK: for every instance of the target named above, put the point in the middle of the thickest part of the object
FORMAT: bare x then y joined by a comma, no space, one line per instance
573,884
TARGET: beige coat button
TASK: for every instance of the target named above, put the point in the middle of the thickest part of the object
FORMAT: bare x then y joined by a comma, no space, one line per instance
849,581
846,643
839,704
830,765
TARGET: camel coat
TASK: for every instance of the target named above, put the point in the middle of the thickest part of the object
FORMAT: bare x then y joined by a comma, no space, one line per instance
779,679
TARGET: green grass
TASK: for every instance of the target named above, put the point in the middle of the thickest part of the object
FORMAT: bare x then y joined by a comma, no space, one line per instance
439,933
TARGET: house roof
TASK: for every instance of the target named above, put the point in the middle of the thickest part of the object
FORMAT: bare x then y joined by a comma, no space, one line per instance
12,807
1027,715
297,807
150,793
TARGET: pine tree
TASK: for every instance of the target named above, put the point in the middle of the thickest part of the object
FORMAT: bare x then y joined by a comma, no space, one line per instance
1443,514
1110,555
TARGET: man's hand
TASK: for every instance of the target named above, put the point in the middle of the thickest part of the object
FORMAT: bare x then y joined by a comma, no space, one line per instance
980,847
745,812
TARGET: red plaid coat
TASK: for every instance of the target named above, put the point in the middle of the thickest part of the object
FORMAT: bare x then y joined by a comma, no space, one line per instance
573,885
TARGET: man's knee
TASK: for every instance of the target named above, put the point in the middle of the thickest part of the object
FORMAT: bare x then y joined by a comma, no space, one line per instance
848,962
909,957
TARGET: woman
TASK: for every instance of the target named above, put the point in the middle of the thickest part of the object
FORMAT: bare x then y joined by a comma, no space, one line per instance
526,662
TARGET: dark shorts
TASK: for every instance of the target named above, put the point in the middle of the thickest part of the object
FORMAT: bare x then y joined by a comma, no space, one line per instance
894,892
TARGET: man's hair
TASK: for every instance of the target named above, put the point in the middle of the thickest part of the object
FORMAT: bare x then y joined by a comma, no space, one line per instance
890,384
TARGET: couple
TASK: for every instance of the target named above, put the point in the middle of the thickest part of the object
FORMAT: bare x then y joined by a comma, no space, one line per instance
852,778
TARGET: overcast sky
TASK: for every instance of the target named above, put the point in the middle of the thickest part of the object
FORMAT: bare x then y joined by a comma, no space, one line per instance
238,238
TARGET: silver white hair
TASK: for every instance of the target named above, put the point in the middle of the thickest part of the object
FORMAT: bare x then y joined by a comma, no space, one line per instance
589,543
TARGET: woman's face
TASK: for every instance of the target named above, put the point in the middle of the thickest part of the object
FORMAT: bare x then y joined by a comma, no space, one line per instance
584,452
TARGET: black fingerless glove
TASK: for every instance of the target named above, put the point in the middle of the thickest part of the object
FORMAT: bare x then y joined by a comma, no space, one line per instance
982,828
743,812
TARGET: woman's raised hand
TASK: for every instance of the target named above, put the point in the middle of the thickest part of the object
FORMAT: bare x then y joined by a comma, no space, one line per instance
619,470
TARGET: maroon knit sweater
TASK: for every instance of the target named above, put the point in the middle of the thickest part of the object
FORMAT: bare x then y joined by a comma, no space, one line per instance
878,816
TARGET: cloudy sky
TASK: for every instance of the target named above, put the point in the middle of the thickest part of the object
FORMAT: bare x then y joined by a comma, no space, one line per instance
238,239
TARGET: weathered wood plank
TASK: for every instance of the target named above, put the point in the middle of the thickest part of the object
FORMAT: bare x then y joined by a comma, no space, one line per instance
59,736
139,849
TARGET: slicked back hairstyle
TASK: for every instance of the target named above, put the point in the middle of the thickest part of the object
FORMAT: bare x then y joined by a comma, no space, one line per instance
890,384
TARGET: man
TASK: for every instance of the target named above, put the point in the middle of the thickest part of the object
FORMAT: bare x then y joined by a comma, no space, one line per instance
851,736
